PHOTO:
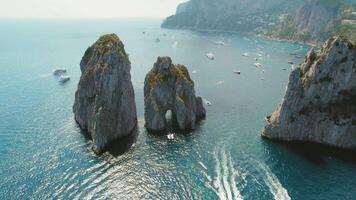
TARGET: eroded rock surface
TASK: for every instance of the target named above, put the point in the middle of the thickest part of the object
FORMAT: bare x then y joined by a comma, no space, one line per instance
105,101
320,102
169,87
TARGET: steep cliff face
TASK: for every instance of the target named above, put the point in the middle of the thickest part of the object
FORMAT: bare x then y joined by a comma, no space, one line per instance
229,15
169,87
105,101
320,102
316,21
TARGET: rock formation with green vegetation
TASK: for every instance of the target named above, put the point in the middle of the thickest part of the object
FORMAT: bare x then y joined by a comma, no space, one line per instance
169,87
105,100
320,101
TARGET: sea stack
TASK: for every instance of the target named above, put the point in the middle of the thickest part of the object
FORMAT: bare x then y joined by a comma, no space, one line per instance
320,101
169,87
105,101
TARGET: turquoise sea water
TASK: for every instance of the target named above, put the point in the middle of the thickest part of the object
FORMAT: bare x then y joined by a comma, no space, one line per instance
44,155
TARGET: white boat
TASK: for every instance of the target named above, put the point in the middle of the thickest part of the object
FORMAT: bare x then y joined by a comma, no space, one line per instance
210,56
207,102
219,82
259,55
237,72
64,79
258,64
170,136
220,43
245,54
58,72
194,71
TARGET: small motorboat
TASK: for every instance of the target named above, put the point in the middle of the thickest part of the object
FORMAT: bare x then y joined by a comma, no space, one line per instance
194,71
170,136
207,102
259,55
64,79
210,56
237,72
221,43
245,54
58,72
258,64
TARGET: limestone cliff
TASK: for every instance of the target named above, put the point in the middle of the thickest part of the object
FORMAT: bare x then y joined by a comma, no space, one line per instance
318,20
169,87
229,15
105,101
320,101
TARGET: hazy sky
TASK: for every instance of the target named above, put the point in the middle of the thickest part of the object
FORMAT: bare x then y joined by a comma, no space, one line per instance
87,8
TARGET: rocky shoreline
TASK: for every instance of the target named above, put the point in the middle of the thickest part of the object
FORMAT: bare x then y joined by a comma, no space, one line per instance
320,102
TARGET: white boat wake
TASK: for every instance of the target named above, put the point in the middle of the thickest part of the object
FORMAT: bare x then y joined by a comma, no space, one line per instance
224,182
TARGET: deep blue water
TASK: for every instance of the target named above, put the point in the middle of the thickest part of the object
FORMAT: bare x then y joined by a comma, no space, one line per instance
44,155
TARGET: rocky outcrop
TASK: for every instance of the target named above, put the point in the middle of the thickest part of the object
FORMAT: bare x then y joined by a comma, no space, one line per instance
169,87
105,102
320,101
229,15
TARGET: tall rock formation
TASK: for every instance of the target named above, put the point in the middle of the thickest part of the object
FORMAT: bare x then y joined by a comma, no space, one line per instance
169,87
320,101
105,102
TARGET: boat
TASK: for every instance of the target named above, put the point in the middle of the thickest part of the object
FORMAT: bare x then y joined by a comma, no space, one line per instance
221,43
237,72
64,79
258,64
210,56
219,82
259,55
58,72
170,136
207,102
194,71
245,54
290,62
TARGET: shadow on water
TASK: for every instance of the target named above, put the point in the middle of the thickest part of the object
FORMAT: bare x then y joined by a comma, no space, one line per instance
316,153
172,127
117,147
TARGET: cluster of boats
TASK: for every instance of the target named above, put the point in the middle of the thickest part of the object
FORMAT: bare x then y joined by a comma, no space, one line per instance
61,73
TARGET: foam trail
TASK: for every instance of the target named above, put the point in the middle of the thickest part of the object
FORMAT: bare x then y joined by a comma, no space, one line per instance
235,174
275,187
226,176
217,182
203,166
